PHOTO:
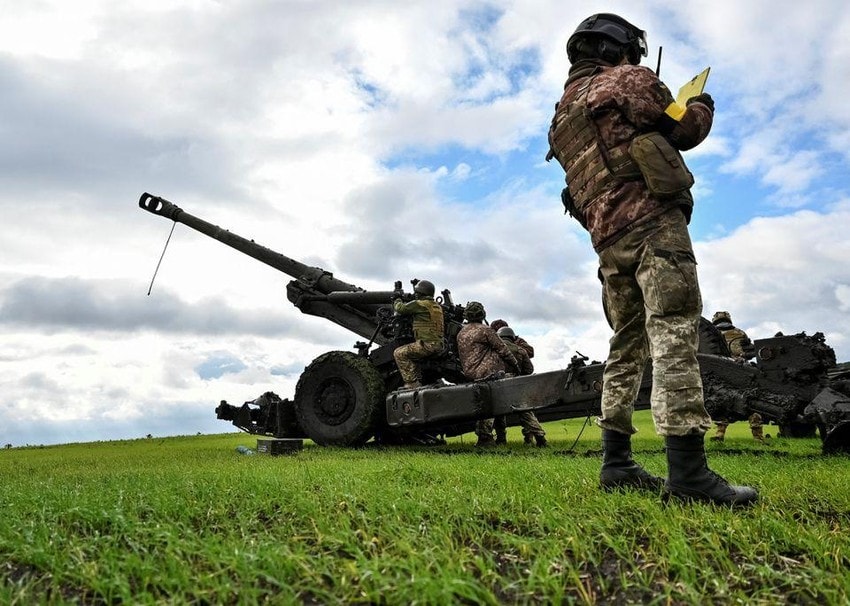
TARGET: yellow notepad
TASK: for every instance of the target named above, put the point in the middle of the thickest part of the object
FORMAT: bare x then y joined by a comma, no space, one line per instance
692,87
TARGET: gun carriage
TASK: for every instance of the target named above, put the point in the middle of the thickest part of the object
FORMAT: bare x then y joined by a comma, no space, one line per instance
346,398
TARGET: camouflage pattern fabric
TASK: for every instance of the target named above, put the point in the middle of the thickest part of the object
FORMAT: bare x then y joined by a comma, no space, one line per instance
484,428
407,356
428,321
525,345
653,302
497,324
525,366
527,419
735,339
625,101
428,327
482,352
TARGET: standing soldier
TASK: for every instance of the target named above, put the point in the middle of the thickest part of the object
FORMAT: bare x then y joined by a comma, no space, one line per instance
427,332
617,132
531,429
482,355
742,349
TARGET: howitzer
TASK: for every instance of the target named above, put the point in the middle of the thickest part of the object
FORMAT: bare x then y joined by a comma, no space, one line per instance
347,398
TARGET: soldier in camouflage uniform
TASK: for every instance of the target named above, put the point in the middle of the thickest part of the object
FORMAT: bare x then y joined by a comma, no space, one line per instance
428,329
497,324
646,262
742,349
532,431
483,355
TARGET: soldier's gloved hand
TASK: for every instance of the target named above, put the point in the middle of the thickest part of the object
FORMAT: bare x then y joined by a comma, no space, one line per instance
398,294
703,98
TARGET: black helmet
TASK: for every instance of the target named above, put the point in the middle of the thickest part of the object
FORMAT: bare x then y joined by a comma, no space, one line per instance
474,312
424,288
594,36
506,332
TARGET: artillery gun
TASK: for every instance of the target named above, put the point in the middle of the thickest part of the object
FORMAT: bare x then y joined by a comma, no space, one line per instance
346,398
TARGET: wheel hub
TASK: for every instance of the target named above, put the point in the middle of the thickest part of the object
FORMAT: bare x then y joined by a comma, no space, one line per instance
335,401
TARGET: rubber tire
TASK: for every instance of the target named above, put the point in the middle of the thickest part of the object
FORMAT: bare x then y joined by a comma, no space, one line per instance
339,399
711,340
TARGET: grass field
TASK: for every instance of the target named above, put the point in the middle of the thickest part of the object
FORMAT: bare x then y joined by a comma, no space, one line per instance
188,520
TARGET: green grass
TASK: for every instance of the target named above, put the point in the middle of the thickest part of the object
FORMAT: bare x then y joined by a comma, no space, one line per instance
189,521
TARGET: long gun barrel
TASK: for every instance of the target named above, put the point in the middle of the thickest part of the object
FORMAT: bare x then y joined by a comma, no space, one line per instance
314,290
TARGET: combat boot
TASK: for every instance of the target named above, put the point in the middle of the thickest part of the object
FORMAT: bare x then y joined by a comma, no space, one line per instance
485,441
501,437
541,441
528,439
689,478
619,470
720,433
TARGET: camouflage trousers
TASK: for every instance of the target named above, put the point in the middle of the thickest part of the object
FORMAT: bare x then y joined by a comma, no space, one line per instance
407,356
527,419
652,301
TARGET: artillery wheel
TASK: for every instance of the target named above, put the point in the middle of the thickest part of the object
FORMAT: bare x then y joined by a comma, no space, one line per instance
339,399
711,340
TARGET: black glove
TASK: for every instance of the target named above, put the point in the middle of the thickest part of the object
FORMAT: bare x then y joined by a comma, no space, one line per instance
703,98
398,294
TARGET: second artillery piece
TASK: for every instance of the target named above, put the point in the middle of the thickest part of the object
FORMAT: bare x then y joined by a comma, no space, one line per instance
346,398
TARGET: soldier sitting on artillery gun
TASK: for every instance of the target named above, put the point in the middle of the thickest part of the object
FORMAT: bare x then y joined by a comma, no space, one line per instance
428,330
742,349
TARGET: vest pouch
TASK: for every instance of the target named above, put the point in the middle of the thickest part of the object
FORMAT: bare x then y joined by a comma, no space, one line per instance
661,165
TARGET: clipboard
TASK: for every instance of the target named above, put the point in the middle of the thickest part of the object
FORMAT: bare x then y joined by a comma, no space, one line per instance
692,87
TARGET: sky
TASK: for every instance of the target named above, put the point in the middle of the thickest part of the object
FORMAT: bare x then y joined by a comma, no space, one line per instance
382,141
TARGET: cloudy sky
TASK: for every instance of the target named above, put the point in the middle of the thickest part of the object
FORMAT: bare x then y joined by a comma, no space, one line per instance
383,141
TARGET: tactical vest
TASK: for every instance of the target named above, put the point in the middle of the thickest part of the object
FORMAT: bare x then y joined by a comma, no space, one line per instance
735,339
428,327
575,141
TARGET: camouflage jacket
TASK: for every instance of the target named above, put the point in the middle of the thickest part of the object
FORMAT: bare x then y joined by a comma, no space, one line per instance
523,359
428,322
525,345
482,352
623,102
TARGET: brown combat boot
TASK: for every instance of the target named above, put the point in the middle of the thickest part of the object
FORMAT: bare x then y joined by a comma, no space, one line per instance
690,479
619,470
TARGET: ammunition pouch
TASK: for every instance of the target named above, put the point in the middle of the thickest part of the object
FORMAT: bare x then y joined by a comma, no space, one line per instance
661,165
570,207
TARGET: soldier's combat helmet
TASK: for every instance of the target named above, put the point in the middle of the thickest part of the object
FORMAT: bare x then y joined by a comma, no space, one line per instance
474,312
608,37
721,316
424,288
506,332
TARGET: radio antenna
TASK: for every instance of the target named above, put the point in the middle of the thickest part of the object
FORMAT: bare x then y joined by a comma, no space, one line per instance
658,67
